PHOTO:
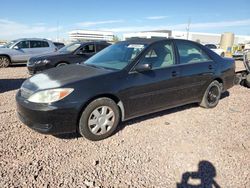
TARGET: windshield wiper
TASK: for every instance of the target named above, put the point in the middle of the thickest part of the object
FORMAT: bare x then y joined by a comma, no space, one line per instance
100,67
91,65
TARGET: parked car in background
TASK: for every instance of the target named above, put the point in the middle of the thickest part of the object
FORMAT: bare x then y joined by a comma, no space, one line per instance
217,50
125,80
19,51
2,44
59,45
73,53
238,55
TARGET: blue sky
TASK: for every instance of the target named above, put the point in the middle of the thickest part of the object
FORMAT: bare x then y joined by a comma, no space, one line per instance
49,18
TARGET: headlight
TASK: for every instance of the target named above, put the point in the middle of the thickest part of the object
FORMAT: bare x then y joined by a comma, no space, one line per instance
44,62
51,95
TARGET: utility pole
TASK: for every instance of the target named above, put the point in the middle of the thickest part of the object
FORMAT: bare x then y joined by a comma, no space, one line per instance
188,28
57,31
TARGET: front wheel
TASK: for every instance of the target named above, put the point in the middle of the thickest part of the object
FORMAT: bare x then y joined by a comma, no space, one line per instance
212,95
4,61
61,64
99,119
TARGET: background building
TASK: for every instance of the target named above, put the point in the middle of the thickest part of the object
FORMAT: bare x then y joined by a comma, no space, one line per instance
91,35
203,38
148,34
2,42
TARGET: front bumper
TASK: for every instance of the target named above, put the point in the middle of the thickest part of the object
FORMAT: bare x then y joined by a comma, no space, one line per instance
48,119
35,69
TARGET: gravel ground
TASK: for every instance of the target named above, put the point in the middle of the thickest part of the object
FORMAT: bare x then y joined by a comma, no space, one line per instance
158,150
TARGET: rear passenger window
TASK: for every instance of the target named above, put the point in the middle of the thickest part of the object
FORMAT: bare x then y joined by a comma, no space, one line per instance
45,44
38,44
191,53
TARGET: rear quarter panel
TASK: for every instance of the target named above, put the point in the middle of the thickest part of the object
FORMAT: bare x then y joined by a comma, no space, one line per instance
225,70
227,66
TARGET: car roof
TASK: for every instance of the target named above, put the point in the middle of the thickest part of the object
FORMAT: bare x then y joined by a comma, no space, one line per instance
89,42
145,40
32,39
153,40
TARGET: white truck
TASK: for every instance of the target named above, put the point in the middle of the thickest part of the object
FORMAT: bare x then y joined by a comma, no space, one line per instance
217,50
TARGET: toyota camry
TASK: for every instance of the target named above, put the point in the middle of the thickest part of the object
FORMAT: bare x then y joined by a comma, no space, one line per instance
125,80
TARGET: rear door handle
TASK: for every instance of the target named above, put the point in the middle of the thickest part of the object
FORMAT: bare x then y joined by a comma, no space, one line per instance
174,74
210,67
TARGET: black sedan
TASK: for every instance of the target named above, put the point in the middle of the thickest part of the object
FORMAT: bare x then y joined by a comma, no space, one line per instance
73,53
123,81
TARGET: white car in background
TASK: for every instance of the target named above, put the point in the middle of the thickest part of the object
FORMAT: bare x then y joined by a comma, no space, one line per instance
19,51
217,50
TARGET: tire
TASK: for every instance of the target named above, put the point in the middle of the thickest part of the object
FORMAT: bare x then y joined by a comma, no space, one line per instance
99,119
212,95
4,61
61,64
247,81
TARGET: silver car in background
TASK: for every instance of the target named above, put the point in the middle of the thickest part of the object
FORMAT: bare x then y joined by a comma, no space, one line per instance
19,51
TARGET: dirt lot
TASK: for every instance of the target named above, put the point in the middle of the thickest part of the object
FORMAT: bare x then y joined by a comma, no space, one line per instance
152,151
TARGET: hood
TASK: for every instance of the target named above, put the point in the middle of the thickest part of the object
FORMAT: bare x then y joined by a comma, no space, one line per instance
5,50
48,55
61,76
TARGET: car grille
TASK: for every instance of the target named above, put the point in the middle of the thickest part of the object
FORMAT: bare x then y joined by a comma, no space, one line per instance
25,93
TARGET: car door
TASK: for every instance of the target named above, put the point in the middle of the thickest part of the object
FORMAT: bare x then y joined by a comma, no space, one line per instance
157,88
21,51
197,70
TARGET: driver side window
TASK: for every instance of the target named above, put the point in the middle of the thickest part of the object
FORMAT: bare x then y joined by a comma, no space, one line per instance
160,55
23,44
88,49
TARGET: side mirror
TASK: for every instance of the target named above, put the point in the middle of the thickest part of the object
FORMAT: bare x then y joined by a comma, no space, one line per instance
143,67
16,47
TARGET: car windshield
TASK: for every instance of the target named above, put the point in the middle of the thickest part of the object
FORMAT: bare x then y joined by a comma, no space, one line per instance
8,45
70,48
116,56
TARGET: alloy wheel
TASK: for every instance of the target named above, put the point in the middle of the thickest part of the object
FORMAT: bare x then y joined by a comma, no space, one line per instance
4,61
213,95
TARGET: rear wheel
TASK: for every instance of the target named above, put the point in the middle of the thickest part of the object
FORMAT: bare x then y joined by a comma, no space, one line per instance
99,119
4,61
212,95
